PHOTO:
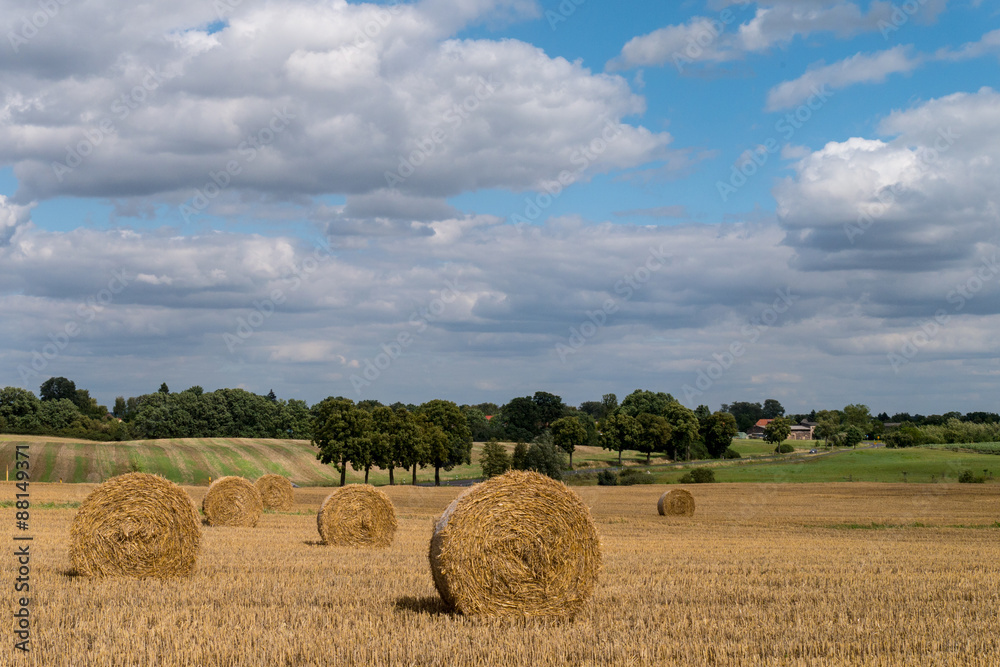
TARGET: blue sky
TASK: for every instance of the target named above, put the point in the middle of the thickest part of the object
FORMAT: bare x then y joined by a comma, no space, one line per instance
842,154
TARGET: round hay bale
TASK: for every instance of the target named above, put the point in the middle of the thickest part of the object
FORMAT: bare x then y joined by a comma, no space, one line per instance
358,515
232,501
135,525
676,503
520,544
275,492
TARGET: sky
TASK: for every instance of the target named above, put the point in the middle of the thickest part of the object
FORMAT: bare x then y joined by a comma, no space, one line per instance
480,199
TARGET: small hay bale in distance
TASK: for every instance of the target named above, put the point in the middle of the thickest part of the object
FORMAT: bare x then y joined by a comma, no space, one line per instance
275,492
358,515
136,525
520,544
232,501
678,502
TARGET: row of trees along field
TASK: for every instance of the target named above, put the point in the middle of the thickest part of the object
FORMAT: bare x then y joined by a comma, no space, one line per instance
645,421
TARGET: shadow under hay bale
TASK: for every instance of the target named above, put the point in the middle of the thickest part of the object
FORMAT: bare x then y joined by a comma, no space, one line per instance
275,492
232,501
135,525
358,515
520,544
677,502
433,606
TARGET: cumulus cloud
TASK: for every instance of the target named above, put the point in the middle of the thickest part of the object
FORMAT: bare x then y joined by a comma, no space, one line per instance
921,197
859,68
302,98
727,36
12,218
477,298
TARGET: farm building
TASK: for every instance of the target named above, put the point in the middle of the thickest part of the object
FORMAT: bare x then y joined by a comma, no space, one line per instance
803,431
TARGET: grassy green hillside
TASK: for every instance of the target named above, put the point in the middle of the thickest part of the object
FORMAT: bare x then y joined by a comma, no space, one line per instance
193,461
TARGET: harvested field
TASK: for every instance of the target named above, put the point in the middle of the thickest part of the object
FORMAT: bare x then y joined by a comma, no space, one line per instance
805,574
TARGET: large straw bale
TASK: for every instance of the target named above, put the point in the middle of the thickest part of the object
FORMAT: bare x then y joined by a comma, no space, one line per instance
358,515
135,525
275,492
232,501
678,502
520,544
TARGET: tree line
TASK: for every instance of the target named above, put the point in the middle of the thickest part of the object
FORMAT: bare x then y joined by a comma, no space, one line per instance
645,421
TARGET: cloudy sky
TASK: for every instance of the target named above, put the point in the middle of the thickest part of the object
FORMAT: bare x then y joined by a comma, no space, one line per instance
479,199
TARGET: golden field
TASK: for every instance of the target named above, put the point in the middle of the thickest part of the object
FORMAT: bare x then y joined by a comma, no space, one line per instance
796,574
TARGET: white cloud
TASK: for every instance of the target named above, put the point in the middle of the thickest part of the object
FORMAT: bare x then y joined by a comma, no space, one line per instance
296,98
925,196
859,68
726,36
989,44
12,218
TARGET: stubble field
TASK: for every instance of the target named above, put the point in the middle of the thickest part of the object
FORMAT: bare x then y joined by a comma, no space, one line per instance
805,574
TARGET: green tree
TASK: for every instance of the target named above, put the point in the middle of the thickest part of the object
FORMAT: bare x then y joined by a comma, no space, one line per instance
620,432
293,419
778,430
642,401
772,409
479,426
549,408
410,448
654,435
828,425
685,428
59,414
852,436
520,419
19,409
609,403
54,389
518,459
720,429
567,433
342,432
546,458
859,416
164,389
495,459
746,414
399,440
457,441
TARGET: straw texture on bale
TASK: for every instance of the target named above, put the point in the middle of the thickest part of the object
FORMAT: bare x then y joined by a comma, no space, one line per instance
676,503
232,501
135,525
275,492
521,544
358,515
